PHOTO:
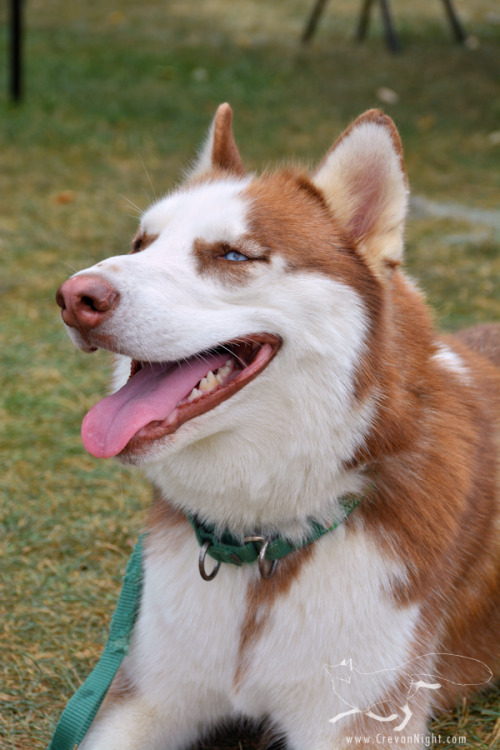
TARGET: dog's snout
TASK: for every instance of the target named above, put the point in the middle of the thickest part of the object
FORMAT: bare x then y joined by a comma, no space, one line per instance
85,301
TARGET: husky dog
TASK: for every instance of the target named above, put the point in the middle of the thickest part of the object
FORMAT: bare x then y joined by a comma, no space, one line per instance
272,360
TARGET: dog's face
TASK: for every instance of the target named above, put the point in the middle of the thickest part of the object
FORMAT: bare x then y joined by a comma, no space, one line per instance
243,317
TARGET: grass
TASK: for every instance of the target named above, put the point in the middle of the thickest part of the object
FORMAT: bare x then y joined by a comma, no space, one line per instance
117,98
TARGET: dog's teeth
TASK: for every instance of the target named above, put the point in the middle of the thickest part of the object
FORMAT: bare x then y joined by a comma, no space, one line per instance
208,382
223,372
212,380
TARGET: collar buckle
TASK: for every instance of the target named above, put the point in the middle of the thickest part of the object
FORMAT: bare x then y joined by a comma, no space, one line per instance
267,568
201,564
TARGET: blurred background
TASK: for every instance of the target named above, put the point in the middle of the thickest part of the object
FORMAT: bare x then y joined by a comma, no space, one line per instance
116,98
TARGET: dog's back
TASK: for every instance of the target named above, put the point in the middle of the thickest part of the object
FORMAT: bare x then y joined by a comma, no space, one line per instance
483,339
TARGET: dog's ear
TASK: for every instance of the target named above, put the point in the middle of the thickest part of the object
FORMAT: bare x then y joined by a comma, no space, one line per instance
364,183
219,150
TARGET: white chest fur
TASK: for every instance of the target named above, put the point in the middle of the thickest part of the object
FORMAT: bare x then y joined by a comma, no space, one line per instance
186,658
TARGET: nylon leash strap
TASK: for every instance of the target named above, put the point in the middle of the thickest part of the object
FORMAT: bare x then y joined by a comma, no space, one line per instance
83,706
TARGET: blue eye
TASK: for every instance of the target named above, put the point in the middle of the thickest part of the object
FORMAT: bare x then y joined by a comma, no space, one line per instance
234,255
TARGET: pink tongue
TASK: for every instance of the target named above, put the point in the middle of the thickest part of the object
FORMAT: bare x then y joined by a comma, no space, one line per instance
152,394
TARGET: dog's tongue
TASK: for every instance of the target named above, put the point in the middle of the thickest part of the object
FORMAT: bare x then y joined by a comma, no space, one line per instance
151,394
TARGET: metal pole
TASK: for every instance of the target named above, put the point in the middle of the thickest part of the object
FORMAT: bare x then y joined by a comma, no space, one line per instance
311,24
16,50
364,20
390,32
456,26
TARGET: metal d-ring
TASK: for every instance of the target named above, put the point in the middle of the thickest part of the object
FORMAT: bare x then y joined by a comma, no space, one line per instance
267,567
201,564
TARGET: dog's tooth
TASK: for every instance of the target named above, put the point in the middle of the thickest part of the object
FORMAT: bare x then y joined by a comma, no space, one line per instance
195,393
208,382
222,373
212,380
227,367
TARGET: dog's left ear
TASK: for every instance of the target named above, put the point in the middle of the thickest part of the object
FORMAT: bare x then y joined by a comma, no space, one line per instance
219,150
365,186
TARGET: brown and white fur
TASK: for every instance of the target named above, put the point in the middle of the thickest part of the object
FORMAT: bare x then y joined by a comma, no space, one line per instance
359,394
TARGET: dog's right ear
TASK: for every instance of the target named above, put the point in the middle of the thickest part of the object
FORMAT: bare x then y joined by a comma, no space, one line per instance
219,151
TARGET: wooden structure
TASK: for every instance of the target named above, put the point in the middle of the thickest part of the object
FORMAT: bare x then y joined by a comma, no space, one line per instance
389,29
15,49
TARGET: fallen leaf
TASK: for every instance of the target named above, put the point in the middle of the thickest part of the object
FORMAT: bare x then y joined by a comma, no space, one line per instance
426,122
472,42
386,95
116,17
65,196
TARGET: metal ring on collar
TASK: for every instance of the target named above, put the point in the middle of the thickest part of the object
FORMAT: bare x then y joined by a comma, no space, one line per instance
201,564
267,568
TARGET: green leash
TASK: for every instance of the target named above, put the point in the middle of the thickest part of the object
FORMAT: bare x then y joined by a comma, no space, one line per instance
79,714
83,706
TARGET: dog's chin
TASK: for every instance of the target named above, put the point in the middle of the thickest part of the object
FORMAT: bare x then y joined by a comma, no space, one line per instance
143,452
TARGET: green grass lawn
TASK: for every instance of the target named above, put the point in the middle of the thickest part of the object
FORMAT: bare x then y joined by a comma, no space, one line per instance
118,96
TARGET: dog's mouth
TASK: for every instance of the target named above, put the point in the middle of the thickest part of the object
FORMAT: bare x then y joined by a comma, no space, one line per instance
160,396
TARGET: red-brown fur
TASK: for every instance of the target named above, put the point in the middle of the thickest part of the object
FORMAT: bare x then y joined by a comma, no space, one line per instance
431,455
261,595
224,150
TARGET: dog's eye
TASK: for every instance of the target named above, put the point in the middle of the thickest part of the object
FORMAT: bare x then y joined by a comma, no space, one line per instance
142,240
234,255
137,244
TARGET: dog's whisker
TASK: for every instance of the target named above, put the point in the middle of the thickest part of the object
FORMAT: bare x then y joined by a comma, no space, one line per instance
148,176
134,205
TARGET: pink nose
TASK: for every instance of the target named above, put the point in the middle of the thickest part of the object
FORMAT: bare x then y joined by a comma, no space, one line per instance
85,301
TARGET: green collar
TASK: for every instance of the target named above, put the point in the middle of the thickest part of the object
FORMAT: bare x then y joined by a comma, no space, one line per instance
225,548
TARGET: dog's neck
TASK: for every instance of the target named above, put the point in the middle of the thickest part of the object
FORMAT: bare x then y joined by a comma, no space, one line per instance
242,512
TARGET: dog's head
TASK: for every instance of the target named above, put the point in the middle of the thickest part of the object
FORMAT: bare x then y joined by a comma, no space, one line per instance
244,315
